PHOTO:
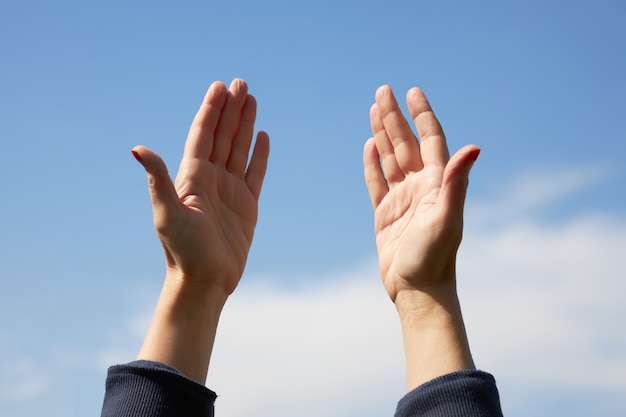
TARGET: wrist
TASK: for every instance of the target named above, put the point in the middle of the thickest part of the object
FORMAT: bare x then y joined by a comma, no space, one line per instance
427,303
189,295
435,340
184,325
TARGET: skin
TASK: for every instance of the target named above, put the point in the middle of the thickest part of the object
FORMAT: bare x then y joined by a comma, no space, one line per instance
418,192
205,221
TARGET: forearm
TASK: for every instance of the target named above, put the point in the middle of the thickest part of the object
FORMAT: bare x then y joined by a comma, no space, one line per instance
435,341
183,326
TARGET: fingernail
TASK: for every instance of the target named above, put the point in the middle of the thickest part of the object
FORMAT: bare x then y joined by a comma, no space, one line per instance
473,155
136,155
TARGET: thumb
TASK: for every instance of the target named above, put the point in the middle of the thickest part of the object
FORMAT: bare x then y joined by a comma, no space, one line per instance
456,178
165,201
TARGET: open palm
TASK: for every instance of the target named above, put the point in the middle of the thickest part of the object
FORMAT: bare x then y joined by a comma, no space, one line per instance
417,192
206,219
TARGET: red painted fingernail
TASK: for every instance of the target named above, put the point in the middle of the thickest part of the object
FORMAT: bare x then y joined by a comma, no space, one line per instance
136,155
473,155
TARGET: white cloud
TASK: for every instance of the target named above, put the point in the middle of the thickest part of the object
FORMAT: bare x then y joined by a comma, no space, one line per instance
546,304
329,349
310,349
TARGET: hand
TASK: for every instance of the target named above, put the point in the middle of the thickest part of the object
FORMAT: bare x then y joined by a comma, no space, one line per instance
206,221
418,193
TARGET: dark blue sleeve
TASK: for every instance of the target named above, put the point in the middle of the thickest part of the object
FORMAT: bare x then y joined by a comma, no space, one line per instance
460,394
152,389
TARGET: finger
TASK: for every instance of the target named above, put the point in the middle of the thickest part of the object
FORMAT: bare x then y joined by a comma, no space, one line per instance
229,121
374,178
456,179
387,156
165,201
405,144
241,145
432,138
202,131
258,164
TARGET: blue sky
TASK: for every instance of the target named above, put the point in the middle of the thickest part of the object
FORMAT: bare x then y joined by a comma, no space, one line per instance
539,86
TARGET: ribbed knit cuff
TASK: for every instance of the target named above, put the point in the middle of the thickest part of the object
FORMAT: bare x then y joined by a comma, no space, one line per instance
144,388
463,394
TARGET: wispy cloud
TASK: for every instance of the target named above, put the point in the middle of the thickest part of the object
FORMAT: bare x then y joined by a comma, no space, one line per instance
530,192
22,381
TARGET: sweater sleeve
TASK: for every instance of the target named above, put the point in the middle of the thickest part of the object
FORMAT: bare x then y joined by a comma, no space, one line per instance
152,389
459,394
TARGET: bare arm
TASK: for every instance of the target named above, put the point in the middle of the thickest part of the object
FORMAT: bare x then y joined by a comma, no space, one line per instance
205,222
418,193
